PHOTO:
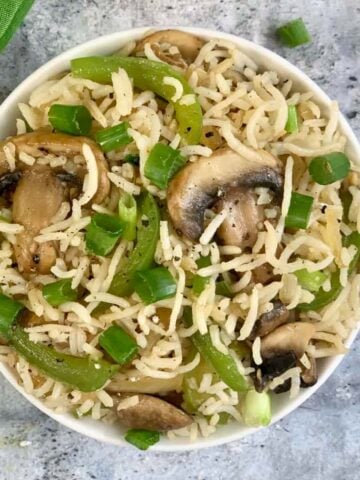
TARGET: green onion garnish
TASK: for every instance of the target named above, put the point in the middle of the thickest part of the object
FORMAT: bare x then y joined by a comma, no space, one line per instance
292,120
128,216
142,439
299,211
329,168
9,311
199,283
155,284
294,33
113,137
311,281
132,158
118,344
59,292
72,119
223,288
162,164
102,234
256,409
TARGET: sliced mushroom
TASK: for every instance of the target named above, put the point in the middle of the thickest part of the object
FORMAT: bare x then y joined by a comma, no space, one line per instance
281,350
39,143
240,227
188,46
309,376
269,321
36,200
200,184
149,385
292,337
151,413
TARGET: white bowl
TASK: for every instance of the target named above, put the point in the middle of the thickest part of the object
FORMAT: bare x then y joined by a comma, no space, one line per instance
282,405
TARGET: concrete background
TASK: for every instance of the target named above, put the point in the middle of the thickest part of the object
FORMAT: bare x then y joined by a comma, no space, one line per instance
321,439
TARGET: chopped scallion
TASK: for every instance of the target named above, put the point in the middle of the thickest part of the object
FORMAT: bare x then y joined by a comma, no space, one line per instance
329,168
199,283
132,158
113,137
299,211
118,344
59,292
292,120
72,119
102,233
223,288
142,439
162,164
256,409
311,281
128,216
155,284
294,33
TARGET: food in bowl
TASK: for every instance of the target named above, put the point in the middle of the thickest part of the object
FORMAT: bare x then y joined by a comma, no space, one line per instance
180,239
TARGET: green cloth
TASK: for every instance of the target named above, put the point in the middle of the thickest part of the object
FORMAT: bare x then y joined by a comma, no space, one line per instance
12,13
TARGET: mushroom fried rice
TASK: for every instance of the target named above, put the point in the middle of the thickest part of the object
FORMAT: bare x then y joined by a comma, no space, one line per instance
180,238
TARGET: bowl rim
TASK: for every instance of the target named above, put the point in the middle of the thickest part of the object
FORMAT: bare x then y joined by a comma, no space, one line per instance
106,44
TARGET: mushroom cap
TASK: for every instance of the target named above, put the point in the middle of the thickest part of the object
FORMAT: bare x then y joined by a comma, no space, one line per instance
199,184
38,142
188,45
36,200
152,413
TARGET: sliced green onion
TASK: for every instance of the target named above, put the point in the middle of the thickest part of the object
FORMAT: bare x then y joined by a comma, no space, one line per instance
294,33
329,168
299,211
59,292
199,283
256,409
102,234
346,201
155,284
223,288
162,164
9,312
311,281
132,158
292,120
118,344
113,137
142,439
128,216
72,119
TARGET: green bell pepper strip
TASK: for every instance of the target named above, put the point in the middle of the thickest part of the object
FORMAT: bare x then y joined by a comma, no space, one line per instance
223,364
146,75
82,373
323,298
142,257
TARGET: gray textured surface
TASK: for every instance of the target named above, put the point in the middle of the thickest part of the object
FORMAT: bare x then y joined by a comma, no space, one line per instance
321,439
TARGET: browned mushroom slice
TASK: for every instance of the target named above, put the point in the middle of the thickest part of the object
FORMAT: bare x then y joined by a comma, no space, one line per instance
200,184
36,200
281,350
36,143
188,46
151,413
240,228
269,321
292,337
